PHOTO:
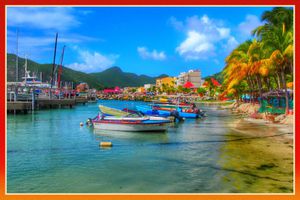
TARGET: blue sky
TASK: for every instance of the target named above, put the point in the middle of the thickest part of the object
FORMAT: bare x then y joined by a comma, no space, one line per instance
142,40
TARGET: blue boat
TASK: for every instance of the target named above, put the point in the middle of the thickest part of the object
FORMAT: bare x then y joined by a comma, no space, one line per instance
149,109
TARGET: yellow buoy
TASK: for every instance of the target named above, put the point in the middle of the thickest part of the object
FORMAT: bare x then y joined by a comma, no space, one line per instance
105,144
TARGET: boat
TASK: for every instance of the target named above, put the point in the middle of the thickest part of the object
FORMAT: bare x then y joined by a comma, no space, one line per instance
108,111
168,112
131,122
172,106
112,111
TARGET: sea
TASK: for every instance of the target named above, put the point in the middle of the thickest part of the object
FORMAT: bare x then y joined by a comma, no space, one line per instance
49,152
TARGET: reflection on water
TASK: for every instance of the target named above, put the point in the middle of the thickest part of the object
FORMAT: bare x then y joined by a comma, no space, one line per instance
49,152
261,163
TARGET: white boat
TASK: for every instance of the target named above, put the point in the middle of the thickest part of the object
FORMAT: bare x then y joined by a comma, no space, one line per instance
120,114
130,127
130,123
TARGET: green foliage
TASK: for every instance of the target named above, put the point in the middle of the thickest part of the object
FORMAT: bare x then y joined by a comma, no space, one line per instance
201,91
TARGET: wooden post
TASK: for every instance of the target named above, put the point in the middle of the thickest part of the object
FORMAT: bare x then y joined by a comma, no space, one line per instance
33,100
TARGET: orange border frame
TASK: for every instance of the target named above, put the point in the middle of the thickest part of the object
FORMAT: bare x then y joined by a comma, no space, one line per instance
139,2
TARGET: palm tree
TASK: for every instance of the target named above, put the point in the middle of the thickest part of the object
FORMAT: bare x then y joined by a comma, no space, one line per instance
277,35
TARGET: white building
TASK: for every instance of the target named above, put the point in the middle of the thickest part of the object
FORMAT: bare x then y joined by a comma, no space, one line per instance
193,76
148,86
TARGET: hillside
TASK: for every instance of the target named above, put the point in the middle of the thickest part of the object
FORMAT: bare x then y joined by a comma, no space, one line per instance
218,76
111,77
67,75
114,76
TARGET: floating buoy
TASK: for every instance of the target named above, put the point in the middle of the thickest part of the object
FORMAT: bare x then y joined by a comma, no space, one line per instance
105,144
81,124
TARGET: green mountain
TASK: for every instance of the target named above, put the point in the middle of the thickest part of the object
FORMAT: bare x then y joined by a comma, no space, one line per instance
114,76
108,78
68,74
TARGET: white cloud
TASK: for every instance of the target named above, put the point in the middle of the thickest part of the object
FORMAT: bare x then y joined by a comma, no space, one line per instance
176,24
251,22
57,18
232,43
93,61
202,36
39,46
195,46
154,55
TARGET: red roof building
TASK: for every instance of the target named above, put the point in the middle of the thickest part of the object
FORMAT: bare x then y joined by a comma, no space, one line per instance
188,85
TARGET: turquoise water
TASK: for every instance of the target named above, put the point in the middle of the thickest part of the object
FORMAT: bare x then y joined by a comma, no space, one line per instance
48,152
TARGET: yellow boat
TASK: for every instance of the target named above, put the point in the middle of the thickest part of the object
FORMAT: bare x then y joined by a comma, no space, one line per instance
163,100
112,111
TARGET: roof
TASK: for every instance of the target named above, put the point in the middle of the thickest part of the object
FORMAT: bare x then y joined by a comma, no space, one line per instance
188,85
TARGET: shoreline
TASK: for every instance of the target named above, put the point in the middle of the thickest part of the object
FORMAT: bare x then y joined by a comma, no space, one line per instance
281,125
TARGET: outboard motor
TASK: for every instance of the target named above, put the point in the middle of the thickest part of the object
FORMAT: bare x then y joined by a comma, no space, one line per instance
89,122
176,115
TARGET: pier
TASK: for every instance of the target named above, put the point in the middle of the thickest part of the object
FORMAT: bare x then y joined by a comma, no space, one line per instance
24,99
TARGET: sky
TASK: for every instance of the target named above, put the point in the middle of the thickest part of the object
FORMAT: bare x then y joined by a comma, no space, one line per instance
142,40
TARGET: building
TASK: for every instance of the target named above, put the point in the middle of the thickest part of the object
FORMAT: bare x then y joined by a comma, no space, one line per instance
193,76
148,86
170,81
141,90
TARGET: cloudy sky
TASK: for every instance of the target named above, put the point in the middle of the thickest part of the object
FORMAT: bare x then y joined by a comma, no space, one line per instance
143,40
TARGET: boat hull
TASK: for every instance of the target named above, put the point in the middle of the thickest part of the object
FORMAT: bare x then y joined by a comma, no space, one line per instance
151,127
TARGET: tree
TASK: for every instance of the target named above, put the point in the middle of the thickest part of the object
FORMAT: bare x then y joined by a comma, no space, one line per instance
277,34
201,91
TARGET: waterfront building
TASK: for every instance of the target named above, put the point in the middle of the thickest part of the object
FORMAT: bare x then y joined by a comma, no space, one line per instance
170,81
148,86
141,90
192,76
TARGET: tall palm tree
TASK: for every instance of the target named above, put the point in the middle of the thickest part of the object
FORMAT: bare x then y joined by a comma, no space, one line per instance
277,34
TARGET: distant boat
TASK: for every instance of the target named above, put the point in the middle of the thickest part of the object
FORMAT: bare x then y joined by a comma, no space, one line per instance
32,80
165,111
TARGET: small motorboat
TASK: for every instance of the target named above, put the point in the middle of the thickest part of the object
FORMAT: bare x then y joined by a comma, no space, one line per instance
108,111
131,122
167,111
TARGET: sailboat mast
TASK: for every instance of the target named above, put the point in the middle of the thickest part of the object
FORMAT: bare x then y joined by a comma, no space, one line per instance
60,67
17,58
53,67
26,73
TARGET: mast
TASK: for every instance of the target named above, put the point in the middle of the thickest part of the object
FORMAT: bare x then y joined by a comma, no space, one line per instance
53,67
26,73
17,58
60,67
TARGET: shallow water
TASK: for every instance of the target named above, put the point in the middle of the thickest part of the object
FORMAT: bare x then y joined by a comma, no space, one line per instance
48,152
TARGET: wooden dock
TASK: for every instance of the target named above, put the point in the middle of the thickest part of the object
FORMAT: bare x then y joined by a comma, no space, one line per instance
19,106
54,103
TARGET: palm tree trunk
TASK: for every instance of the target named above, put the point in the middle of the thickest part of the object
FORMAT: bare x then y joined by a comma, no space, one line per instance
267,81
279,80
251,88
291,68
276,81
286,92
259,86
